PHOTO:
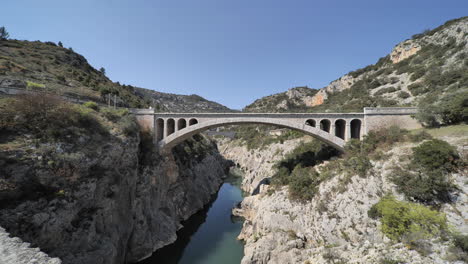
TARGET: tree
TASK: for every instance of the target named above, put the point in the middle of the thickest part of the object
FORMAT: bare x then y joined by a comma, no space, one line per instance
60,44
3,33
102,70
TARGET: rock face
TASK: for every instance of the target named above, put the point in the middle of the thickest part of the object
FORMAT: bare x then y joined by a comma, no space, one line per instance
256,164
114,203
404,50
333,227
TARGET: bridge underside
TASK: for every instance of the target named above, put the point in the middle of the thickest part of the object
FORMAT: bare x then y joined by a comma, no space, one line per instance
170,132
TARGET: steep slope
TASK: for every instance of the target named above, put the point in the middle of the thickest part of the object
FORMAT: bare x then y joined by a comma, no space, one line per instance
85,185
49,67
431,65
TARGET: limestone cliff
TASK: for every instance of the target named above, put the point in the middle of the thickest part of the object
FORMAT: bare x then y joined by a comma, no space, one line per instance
334,226
112,202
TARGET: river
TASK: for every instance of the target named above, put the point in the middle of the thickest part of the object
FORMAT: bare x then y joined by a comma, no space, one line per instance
209,236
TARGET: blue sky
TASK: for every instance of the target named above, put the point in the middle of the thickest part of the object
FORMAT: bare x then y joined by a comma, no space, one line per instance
232,52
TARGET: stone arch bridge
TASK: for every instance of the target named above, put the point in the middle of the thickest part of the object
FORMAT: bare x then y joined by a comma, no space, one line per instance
335,129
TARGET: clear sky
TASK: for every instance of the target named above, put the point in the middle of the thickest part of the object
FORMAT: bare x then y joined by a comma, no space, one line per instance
229,51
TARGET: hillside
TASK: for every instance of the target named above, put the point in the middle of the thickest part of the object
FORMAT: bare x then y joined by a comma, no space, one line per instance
46,66
423,69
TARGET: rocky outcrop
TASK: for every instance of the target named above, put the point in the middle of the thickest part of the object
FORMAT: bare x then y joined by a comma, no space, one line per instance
334,226
404,50
14,250
256,164
114,202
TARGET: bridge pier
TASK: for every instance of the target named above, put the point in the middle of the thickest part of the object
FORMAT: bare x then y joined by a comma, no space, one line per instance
348,131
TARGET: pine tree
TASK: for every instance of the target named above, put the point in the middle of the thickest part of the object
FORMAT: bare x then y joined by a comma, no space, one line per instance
3,33
102,70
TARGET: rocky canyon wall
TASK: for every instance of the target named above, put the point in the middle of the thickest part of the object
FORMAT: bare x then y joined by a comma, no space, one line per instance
112,202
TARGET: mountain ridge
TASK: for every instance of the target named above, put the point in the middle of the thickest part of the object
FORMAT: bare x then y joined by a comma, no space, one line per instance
416,67
49,67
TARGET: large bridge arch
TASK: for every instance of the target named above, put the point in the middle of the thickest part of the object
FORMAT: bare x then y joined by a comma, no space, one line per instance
166,144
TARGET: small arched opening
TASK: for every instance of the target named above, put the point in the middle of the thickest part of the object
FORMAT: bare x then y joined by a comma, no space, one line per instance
340,128
310,122
159,129
181,123
325,125
170,126
193,121
356,128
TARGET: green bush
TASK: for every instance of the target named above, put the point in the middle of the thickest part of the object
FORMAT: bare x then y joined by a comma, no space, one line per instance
417,88
296,169
383,138
451,109
434,155
357,165
403,95
129,125
420,136
461,241
386,90
418,73
114,115
303,183
91,105
400,219
49,117
34,85
425,179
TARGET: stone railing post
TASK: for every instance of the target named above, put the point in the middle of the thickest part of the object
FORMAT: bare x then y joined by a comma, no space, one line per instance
166,128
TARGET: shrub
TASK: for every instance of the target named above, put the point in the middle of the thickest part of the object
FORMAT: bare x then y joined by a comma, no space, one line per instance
434,155
359,164
49,117
429,188
451,109
403,95
303,183
296,169
418,73
390,89
461,241
129,125
417,88
426,177
382,138
402,218
33,85
91,105
420,136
